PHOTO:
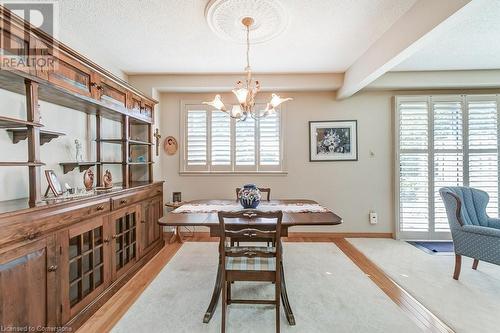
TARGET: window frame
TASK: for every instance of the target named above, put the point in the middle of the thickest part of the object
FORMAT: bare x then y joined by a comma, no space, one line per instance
464,99
232,168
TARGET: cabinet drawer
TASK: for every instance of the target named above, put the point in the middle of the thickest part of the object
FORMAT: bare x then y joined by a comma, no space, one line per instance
98,208
128,199
33,226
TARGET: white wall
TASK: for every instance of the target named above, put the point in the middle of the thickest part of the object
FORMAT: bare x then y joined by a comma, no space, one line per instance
351,189
14,180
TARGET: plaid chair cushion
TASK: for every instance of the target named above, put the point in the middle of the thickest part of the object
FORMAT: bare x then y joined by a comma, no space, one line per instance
250,264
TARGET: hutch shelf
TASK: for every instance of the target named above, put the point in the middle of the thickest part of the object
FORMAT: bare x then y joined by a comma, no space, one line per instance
20,134
6,122
71,254
70,166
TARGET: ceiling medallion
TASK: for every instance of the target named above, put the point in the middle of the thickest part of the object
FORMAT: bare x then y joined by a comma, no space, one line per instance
224,18
246,91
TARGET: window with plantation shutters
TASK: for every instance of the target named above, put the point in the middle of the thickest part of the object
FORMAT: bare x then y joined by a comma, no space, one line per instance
413,169
215,143
245,143
443,141
483,147
196,137
221,139
269,133
448,153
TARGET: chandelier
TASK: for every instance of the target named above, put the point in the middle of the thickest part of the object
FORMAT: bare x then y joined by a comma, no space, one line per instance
246,92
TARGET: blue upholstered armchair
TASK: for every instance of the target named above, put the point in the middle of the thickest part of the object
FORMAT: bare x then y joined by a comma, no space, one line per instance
474,234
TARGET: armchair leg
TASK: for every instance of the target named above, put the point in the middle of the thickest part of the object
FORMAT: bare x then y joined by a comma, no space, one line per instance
475,263
458,266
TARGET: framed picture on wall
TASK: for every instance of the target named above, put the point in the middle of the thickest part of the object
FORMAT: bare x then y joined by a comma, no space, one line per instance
334,140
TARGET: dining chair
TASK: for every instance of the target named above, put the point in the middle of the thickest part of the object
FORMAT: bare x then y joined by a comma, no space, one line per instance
261,189
250,263
474,233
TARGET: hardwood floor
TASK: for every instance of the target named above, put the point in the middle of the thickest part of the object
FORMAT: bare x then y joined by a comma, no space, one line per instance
107,316
111,312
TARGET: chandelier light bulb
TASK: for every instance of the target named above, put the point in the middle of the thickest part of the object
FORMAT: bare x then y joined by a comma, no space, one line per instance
236,111
217,103
241,95
277,100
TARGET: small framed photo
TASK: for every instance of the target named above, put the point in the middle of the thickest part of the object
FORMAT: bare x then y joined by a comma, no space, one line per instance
335,140
54,184
176,196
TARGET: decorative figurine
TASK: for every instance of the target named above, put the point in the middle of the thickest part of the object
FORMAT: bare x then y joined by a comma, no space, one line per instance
88,179
78,147
107,179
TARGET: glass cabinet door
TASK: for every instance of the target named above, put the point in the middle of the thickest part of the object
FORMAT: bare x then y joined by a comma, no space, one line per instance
86,264
124,239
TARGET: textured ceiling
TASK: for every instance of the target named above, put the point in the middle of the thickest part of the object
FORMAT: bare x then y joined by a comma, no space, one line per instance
172,36
472,41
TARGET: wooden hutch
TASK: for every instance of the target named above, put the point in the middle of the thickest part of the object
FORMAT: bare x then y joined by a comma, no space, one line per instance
60,260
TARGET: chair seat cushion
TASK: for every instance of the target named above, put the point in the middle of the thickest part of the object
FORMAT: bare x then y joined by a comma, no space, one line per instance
250,264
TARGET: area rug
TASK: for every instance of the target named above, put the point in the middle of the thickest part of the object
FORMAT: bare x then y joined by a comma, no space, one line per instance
327,292
471,304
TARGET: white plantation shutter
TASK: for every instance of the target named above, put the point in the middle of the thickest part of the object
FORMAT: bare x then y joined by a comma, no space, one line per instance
483,147
245,143
413,166
213,142
221,139
197,138
269,141
443,141
448,153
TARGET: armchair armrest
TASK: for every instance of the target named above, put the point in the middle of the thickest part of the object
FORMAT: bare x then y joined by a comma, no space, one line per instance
484,231
494,223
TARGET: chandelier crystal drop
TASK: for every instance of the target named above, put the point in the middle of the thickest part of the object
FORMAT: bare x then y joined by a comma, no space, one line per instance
246,91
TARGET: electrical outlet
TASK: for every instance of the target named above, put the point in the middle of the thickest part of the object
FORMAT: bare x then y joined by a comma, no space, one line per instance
373,217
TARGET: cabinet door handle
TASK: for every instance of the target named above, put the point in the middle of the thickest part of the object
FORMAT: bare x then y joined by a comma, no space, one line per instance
123,201
32,235
106,240
52,268
114,236
143,221
99,208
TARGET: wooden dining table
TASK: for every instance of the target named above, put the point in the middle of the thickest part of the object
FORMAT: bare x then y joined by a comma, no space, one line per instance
204,214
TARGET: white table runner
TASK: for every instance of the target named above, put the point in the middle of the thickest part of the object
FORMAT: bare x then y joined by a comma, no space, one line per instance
230,207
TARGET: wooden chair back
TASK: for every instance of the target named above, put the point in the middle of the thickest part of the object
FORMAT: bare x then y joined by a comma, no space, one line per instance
248,225
265,226
266,190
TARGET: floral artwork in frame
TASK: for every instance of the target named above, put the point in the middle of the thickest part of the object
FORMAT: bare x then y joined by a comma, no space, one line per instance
335,140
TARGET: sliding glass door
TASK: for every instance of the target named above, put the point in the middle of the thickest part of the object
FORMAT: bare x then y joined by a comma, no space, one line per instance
442,141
